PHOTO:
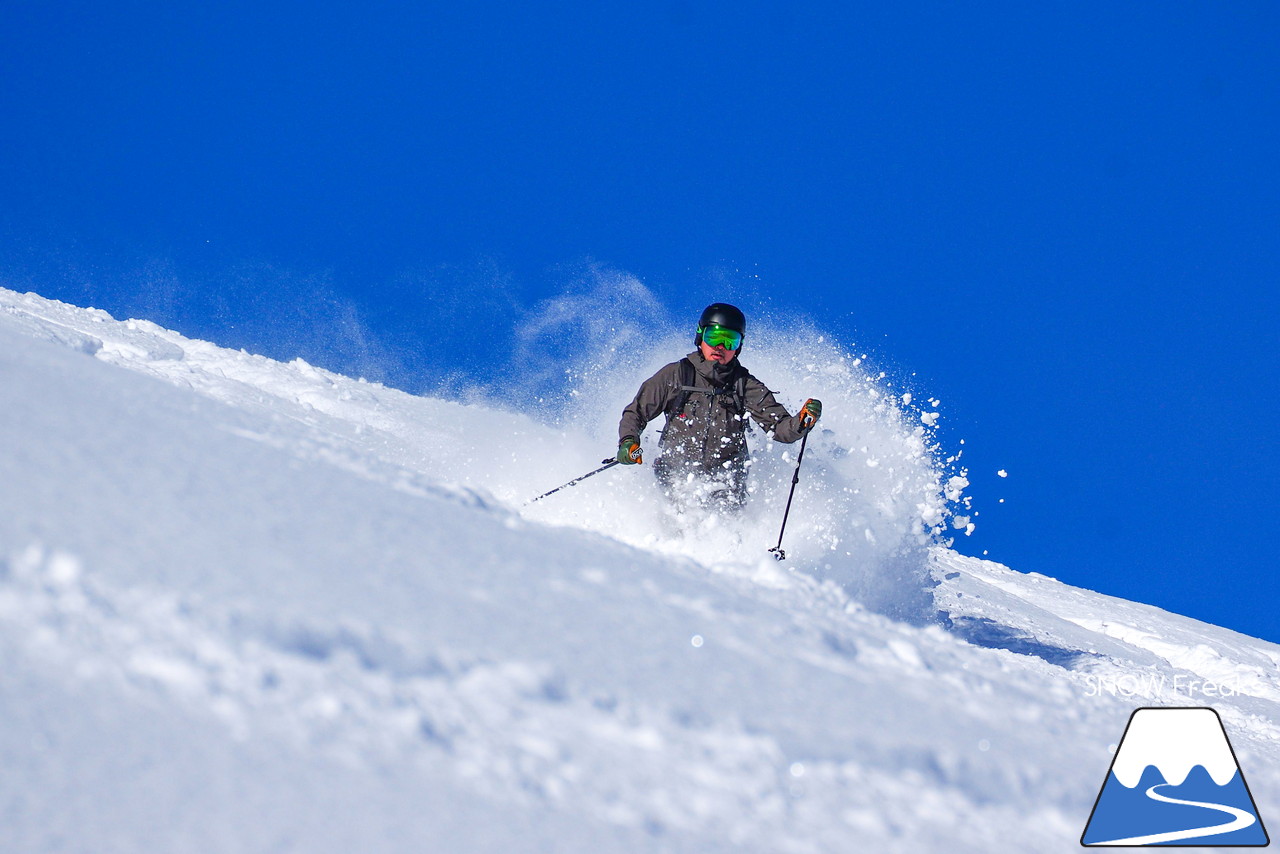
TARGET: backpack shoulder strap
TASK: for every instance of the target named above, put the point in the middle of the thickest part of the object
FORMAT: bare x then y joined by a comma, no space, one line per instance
683,390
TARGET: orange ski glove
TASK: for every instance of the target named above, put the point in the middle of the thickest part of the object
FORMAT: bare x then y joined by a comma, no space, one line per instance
809,413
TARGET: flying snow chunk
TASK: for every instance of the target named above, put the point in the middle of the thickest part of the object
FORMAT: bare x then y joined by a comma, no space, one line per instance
1175,780
955,487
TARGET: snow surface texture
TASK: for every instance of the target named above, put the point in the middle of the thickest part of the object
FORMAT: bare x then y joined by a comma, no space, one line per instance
248,606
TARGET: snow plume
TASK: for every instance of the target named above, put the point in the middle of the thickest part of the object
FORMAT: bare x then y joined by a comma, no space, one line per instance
874,493
873,499
604,321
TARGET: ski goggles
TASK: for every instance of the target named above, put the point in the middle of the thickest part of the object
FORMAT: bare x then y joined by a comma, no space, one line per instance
721,336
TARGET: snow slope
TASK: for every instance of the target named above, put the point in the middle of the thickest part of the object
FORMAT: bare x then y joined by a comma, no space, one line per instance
248,606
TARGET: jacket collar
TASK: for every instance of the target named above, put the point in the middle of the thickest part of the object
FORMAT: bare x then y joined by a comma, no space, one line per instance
716,373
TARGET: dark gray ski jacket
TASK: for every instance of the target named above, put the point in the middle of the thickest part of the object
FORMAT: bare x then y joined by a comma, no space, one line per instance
710,430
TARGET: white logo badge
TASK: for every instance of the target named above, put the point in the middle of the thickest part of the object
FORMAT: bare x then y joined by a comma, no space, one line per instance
1175,780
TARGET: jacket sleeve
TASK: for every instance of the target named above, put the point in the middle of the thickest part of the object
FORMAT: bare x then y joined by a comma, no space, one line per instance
769,414
650,401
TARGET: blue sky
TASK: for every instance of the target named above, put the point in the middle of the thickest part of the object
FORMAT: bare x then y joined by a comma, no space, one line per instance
1062,218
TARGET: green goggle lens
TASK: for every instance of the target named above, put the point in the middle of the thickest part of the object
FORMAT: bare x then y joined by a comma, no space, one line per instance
720,336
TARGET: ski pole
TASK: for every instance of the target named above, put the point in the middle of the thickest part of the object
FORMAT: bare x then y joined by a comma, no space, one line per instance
795,478
574,482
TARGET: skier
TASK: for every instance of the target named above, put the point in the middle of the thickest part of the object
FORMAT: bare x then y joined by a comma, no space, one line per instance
706,397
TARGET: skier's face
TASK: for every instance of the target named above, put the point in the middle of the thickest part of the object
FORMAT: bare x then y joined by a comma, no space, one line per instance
717,354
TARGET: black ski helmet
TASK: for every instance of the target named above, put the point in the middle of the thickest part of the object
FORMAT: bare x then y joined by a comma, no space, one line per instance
721,314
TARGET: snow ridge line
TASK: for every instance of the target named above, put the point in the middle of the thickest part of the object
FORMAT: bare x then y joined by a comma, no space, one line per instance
331,411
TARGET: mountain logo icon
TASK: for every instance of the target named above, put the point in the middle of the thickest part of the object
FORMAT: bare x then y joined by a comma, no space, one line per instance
1175,781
